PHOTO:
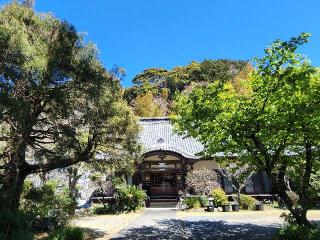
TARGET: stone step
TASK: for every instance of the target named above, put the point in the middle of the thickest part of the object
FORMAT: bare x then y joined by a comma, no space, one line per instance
163,197
163,200
163,204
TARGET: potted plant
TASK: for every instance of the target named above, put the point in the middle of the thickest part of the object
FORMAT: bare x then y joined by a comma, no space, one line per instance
235,207
226,207
220,199
246,202
245,206
147,202
210,208
259,206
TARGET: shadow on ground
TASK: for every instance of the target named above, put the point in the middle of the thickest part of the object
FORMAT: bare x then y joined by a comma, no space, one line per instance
213,230
93,233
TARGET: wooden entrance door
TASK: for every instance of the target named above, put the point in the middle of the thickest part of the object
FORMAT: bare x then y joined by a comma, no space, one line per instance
163,183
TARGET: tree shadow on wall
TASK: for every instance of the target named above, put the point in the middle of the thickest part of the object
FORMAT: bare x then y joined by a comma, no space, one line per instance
213,230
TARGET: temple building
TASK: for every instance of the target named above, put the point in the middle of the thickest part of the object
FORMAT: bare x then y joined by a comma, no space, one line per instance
167,158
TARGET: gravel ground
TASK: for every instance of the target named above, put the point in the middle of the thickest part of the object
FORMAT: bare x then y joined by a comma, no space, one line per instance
103,227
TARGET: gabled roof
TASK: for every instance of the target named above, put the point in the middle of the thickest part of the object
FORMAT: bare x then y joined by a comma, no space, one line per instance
157,134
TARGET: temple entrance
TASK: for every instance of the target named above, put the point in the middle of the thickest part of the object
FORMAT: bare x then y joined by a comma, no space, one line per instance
163,183
161,174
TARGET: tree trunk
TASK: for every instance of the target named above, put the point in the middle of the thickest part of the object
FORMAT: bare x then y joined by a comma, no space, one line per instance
73,178
239,196
279,185
12,186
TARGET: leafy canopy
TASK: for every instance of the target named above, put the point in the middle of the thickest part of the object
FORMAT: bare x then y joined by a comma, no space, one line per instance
279,108
163,85
273,125
58,104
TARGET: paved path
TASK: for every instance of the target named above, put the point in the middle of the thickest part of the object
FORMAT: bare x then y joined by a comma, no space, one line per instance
167,224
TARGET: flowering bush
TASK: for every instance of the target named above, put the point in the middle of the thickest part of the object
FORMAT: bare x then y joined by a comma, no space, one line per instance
202,181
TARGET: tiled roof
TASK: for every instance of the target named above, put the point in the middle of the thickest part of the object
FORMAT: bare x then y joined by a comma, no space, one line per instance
157,134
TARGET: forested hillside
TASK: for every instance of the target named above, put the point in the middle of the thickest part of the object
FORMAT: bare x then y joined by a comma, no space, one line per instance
154,90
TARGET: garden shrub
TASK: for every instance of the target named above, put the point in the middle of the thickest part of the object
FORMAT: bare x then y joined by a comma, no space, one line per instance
100,210
67,233
246,201
47,206
296,232
202,181
129,198
219,197
15,226
192,202
203,200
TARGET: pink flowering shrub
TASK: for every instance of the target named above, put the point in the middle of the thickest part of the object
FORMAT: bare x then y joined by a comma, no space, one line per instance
202,181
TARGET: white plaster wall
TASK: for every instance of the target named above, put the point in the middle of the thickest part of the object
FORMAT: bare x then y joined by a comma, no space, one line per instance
205,164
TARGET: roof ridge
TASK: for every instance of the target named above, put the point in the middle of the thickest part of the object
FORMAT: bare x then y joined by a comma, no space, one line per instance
150,119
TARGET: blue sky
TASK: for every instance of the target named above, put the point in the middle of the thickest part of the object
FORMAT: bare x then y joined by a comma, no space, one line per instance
138,34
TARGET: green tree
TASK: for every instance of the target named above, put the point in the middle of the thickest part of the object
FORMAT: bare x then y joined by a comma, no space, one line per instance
58,104
158,81
145,106
274,125
238,173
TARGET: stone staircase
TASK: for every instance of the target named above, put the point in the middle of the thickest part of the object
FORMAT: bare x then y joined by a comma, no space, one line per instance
163,201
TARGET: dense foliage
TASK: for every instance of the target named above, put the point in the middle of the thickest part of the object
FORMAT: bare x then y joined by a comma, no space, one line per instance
154,90
202,181
219,197
103,209
273,126
246,202
192,202
129,198
67,233
204,201
58,104
15,225
42,209
296,232
47,206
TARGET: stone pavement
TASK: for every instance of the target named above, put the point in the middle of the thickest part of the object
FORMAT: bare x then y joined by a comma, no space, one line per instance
167,224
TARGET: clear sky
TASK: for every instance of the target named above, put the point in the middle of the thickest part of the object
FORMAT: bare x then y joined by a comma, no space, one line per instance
138,34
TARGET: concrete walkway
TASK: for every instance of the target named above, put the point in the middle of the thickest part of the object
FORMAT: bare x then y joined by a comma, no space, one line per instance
167,224
154,223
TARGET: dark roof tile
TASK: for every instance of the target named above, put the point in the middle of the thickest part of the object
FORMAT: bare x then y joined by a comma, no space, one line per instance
157,134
